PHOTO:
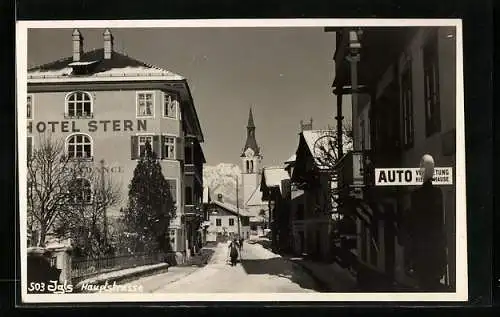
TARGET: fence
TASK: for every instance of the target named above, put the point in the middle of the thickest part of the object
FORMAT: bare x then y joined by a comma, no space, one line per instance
86,268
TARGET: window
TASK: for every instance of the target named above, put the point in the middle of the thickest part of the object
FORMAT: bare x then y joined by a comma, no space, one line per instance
29,143
29,107
407,104
168,147
145,106
170,103
143,139
172,185
189,195
251,166
231,221
431,88
218,222
79,146
80,191
79,104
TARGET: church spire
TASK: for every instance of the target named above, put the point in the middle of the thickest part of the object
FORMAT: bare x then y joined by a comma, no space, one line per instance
251,141
250,120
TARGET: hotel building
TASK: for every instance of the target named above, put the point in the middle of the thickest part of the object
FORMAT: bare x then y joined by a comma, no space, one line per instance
106,106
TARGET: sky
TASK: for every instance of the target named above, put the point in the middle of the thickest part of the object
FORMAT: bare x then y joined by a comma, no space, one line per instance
284,74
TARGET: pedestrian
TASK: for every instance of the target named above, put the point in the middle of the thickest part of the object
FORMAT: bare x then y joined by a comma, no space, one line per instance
426,235
241,243
233,252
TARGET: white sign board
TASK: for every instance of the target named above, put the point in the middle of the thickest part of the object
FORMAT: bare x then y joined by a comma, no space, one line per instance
411,176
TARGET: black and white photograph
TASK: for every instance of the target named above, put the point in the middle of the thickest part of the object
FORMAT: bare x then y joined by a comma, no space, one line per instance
248,160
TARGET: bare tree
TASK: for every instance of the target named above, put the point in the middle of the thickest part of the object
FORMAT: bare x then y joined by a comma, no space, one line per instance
49,174
91,195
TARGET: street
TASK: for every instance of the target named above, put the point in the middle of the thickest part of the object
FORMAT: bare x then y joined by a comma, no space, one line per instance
260,271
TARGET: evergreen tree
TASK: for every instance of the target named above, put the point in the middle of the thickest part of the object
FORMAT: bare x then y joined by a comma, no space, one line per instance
150,204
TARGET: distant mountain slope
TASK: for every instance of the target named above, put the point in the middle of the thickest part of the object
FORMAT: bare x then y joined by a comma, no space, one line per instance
221,179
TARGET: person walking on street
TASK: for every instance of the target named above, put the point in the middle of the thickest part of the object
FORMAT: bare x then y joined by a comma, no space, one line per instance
233,252
241,243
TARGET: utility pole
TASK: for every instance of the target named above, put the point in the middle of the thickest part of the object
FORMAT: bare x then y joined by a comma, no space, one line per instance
238,207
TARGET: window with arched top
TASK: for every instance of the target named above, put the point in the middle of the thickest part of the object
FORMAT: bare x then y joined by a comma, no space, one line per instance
80,191
251,166
79,146
78,105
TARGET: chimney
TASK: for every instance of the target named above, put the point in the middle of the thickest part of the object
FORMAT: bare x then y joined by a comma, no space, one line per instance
306,126
219,197
77,45
108,44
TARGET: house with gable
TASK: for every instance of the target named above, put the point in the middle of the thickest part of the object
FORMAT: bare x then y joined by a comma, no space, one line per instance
226,221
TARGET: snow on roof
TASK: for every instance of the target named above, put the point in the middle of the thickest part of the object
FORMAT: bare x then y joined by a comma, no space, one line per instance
232,208
291,159
274,175
310,137
119,67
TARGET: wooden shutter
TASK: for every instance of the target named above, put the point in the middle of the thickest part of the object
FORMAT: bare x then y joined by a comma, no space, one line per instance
29,145
179,148
156,146
162,148
134,144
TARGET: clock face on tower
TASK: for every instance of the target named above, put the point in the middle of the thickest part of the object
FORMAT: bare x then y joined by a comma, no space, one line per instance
249,152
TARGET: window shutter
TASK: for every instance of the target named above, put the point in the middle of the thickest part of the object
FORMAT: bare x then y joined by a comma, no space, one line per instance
156,146
179,148
29,147
134,144
162,147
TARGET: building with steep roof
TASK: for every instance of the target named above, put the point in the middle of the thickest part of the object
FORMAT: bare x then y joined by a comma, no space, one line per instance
105,106
251,158
226,221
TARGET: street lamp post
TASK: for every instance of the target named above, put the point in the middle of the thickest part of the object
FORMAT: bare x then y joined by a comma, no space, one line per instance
354,58
238,207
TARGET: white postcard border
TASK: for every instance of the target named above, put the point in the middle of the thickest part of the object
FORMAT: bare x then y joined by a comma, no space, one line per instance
461,293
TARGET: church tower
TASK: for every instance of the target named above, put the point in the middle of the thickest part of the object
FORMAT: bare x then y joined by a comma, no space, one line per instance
251,159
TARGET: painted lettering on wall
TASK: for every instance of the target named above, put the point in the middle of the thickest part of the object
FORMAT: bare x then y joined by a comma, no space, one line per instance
411,176
107,169
91,126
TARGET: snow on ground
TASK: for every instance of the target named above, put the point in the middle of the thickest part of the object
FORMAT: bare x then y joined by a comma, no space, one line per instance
260,271
120,273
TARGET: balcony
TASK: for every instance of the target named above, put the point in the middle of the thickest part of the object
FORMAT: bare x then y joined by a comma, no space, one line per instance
351,170
191,169
192,211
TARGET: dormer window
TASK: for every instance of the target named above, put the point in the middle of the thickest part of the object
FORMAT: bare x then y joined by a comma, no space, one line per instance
79,105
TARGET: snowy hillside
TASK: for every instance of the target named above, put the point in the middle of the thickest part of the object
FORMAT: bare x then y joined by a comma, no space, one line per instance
221,179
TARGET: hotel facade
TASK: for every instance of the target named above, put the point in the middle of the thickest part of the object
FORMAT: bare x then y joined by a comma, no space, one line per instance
105,106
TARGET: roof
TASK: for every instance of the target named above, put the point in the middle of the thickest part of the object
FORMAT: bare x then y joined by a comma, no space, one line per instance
117,67
273,176
251,142
250,120
291,159
310,137
231,208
